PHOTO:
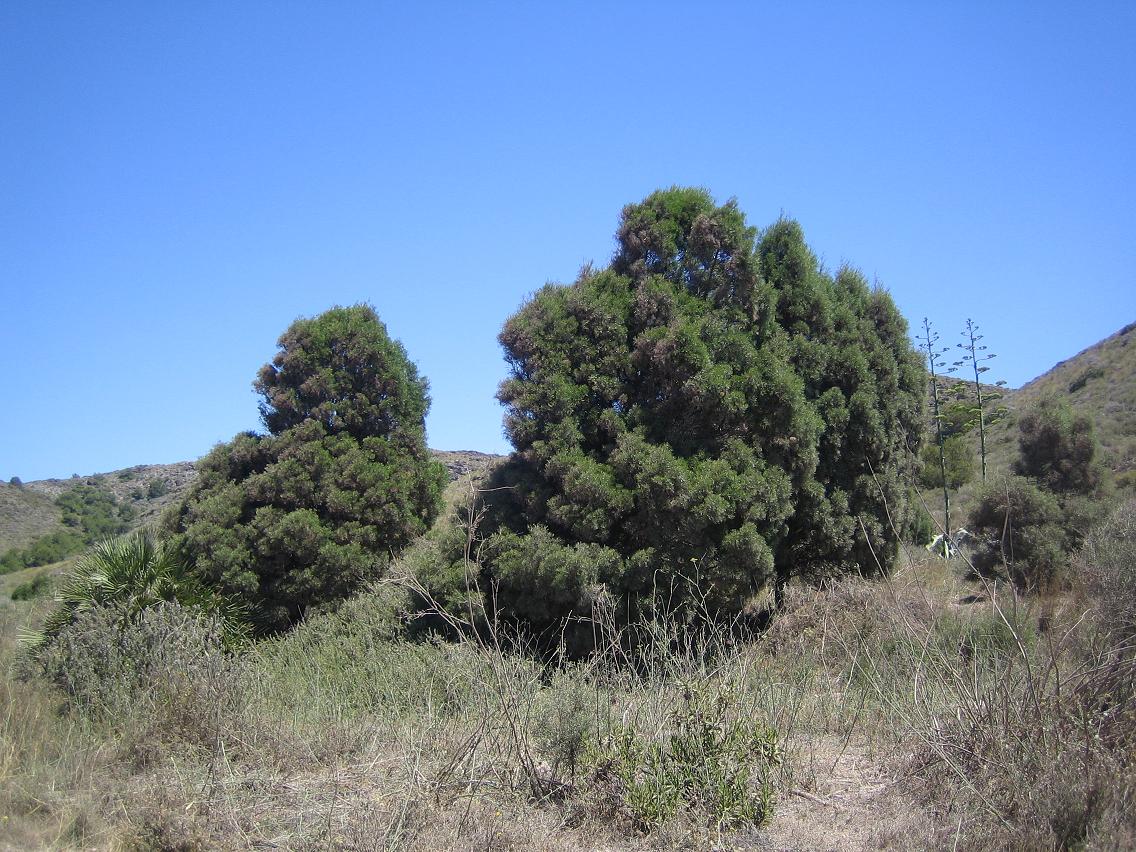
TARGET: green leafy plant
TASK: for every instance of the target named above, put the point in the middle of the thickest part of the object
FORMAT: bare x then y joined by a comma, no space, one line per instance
957,461
36,587
131,574
702,420
305,515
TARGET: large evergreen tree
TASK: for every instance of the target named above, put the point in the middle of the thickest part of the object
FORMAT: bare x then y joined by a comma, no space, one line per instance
302,515
707,416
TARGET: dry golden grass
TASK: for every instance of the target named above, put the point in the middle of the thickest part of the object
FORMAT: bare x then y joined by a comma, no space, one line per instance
924,711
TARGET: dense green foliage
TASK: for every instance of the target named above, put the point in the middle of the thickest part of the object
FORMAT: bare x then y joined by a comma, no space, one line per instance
89,515
1059,449
1023,530
1032,521
31,589
959,458
700,420
303,515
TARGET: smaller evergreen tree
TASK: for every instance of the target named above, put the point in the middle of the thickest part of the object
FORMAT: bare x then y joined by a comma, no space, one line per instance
305,514
957,463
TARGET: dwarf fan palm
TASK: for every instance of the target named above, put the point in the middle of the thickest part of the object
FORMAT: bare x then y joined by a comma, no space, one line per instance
132,573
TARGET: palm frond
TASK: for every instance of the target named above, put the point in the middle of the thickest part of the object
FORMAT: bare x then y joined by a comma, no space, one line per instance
134,572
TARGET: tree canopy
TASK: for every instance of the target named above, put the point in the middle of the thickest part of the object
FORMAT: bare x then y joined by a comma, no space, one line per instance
708,415
342,481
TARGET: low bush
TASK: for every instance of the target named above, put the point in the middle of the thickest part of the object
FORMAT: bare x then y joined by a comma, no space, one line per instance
959,458
128,575
38,586
1022,529
711,761
1107,562
166,669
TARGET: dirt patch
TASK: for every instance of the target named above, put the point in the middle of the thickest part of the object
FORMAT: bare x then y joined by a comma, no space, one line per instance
846,799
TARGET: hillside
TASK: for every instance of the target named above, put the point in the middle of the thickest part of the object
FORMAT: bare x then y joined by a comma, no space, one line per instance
25,515
27,511
1100,382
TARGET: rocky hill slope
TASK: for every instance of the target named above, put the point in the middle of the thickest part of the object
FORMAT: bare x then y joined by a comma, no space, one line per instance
28,511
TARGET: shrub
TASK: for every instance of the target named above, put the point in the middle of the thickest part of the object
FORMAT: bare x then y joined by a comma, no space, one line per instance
959,457
1087,375
30,589
131,574
94,512
698,422
157,488
46,549
164,672
1107,562
1033,521
920,527
1021,527
711,761
305,515
1059,449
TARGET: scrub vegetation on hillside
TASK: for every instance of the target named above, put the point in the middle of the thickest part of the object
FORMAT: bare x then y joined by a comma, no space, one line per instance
691,610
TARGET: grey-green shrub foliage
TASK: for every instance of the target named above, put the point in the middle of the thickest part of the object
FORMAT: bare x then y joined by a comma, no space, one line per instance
1108,564
708,415
109,663
304,515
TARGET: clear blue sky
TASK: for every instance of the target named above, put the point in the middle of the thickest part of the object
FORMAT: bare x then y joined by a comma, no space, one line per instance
179,181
